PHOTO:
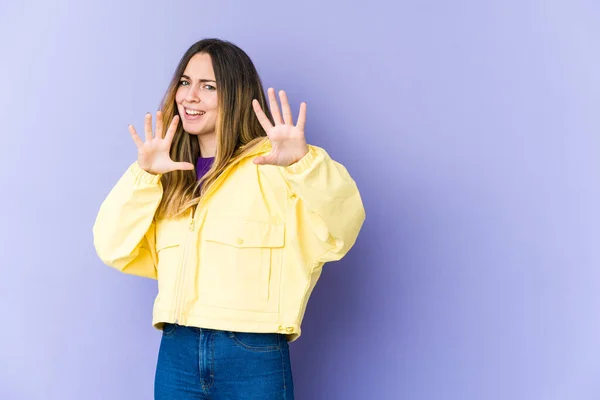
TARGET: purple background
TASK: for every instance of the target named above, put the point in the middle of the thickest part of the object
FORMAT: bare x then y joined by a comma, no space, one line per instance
472,129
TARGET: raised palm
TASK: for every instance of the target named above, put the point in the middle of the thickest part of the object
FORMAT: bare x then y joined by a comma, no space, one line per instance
153,154
288,143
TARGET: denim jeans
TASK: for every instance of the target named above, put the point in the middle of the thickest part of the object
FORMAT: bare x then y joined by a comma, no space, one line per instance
198,363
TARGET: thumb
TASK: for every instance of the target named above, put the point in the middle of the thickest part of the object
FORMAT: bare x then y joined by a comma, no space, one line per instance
184,166
264,160
269,158
260,160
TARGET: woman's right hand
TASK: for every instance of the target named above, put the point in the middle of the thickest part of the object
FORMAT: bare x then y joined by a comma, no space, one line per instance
153,155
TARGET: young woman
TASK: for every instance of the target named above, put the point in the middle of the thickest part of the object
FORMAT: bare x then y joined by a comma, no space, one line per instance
234,215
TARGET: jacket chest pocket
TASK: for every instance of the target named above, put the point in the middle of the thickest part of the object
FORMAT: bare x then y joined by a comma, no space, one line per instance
170,236
240,263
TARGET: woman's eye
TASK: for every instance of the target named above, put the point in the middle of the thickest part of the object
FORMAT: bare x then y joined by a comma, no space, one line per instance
209,87
183,83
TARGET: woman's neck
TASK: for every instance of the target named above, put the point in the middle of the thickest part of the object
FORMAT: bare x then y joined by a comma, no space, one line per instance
208,145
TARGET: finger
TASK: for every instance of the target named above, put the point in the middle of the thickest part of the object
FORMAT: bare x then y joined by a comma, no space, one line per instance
148,127
136,138
183,166
172,129
259,160
285,108
159,125
274,107
302,117
264,160
261,116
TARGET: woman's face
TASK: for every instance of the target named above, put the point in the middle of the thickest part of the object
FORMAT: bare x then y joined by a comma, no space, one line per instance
196,96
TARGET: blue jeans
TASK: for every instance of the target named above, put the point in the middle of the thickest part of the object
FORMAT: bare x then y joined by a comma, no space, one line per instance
198,363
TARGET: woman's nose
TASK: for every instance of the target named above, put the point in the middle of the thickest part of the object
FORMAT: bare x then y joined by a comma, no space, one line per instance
192,94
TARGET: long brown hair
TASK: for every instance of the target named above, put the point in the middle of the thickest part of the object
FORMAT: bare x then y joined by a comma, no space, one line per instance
237,129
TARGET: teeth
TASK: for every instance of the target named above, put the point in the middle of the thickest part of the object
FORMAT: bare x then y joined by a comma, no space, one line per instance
194,112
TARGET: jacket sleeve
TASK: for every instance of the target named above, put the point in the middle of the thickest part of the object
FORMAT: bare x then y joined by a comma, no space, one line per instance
335,211
124,230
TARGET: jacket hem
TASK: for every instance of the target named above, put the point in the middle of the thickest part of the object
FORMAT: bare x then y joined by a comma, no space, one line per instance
246,321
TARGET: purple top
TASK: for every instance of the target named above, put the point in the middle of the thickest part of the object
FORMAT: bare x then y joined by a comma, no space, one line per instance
203,165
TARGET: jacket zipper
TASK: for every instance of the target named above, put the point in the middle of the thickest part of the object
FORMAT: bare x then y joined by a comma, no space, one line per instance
178,296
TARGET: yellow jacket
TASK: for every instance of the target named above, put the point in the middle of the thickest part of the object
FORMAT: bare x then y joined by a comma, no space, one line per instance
249,257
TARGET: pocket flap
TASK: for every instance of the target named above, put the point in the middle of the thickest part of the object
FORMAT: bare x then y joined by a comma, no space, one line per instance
170,233
239,232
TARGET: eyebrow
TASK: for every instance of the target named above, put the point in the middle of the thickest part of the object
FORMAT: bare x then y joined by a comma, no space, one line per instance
201,80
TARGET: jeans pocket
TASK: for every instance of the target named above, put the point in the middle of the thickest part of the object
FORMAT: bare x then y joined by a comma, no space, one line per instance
168,329
258,342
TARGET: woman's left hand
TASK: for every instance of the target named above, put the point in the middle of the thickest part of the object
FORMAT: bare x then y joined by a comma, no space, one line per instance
287,140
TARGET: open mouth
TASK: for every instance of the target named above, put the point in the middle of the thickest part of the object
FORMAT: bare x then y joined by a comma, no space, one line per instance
194,112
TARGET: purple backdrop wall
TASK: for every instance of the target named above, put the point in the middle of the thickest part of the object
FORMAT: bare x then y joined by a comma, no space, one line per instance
471,128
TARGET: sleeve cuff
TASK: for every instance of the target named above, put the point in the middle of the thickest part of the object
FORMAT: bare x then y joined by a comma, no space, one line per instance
142,176
304,163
